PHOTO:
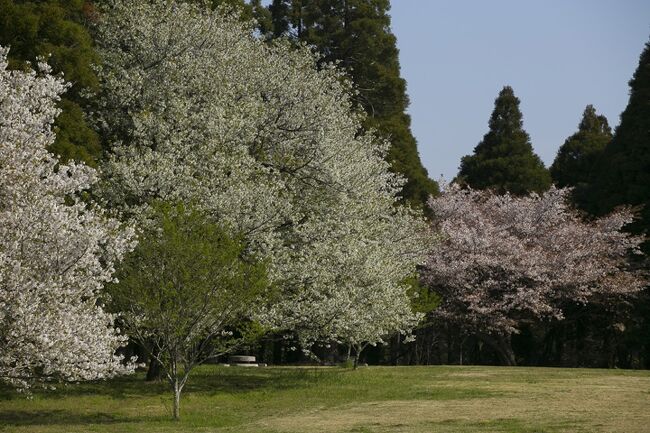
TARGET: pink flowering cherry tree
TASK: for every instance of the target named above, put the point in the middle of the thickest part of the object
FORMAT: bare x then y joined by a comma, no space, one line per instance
505,260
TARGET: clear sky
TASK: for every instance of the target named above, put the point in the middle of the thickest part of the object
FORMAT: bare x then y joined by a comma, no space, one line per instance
558,55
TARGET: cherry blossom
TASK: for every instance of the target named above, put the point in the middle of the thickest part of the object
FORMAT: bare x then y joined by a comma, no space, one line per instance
56,253
504,260
200,110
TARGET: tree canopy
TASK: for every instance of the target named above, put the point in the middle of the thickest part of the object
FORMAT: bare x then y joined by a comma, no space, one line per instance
56,253
356,35
577,157
623,173
273,152
504,160
55,29
506,260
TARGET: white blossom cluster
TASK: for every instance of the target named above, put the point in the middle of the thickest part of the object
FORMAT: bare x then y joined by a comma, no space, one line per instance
200,110
504,260
56,252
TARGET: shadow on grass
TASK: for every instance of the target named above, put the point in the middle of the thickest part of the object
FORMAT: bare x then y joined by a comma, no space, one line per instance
59,417
236,380
205,380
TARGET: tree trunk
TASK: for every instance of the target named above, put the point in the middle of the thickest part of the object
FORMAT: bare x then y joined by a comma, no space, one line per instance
506,353
154,372
460,351
449,348
357,353
396,349
177,400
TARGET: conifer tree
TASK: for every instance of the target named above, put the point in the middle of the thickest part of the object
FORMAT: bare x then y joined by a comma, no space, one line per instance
356,34
578,155
623,174
282,18
56,28
622,177
504,160
253,9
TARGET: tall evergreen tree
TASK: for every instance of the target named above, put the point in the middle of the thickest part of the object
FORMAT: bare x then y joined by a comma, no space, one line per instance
504,160
356,34
248,10
623,174
622,177
578,155
282,19
56,27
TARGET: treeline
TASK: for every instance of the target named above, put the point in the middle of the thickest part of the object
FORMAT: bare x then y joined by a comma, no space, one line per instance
355,34
238,192
275,166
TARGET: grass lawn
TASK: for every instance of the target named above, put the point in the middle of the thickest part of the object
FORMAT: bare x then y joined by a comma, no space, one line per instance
369,400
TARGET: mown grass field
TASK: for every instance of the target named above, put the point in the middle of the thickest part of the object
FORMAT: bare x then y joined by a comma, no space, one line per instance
368,400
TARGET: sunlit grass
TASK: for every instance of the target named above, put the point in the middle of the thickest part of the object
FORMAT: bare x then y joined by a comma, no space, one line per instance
370,400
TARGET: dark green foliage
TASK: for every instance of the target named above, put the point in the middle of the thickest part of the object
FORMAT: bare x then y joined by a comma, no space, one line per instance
356,34
262,15
504,160
40,28
423,299
74,138
282,18
623,174
622,177
578,155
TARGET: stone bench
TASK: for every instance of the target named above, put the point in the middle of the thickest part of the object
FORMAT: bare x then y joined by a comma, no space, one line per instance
244,361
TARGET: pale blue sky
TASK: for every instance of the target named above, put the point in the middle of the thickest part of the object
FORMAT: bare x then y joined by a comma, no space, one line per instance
558,55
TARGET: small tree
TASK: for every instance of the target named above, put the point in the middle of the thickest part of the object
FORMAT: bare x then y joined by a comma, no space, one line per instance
375,316
505,261
183,289
56,251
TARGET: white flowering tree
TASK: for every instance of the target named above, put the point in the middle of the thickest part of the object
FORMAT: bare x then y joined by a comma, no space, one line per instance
506,260
200,110
56,252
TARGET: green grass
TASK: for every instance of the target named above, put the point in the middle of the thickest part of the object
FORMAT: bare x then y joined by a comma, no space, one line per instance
368,400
